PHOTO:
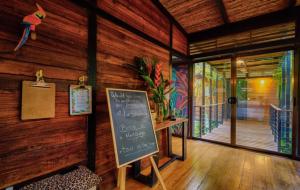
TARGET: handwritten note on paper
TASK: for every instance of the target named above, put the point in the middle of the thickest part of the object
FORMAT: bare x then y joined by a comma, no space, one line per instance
132,127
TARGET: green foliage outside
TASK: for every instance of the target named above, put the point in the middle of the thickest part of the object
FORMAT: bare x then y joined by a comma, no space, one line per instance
241,92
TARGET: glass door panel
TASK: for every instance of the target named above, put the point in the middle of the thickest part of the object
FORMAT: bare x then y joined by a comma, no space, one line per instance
211,113
264,101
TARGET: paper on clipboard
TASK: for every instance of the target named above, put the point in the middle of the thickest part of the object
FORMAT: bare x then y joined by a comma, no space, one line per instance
80,99
37,102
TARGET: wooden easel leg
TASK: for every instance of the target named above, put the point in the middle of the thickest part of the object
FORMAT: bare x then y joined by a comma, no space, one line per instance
119,177
157,173
123,178
121,182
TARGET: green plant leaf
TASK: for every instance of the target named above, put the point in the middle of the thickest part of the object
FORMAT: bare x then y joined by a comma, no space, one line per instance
170,90
148,80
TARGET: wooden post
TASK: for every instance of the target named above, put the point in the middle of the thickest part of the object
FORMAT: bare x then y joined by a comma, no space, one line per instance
203,83
210,99
157,173
183,138
191,109
202,128
169,131
92,80
223,96
233,105
217,95
201,121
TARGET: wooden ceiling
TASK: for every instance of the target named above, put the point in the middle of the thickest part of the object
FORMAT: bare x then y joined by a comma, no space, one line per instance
238,10
199,15
194,15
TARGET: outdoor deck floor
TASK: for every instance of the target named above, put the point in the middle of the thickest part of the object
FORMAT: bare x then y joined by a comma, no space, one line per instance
249,133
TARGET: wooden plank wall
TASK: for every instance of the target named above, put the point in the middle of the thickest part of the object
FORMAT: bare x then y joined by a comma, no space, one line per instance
142,14
179,41
33,148
29,149
117,47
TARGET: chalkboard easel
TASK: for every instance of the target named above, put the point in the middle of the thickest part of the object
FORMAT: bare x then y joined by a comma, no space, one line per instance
122,175
132,130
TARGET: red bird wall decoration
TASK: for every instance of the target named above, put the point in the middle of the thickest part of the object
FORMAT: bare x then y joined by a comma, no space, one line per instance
30,22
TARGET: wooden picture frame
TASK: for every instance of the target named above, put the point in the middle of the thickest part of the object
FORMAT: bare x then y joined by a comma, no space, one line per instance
80,100
113,128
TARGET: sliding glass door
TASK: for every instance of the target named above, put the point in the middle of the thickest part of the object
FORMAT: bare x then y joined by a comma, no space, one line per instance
264,107
211,112
259,115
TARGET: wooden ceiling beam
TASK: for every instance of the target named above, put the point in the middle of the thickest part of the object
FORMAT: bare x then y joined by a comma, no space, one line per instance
270,19
222,10
169,16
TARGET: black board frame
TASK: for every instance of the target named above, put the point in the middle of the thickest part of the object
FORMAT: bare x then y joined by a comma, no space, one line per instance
113,127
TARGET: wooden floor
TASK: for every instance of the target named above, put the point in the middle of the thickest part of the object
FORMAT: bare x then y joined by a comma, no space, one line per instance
254,134
215,167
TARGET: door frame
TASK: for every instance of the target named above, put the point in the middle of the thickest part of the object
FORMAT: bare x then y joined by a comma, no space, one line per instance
296,93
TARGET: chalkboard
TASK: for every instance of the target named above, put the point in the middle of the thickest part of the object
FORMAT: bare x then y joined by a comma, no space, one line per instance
131,124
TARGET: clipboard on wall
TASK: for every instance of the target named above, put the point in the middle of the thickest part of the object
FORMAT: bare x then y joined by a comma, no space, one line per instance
81,98
38,99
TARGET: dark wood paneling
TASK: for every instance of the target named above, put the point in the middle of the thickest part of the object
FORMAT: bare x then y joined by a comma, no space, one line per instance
29,149
142,14
117,47
179,41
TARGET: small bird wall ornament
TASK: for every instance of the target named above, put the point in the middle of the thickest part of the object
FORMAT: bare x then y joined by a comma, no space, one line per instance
30,22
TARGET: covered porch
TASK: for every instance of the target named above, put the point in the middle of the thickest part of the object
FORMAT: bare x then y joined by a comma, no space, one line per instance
249,134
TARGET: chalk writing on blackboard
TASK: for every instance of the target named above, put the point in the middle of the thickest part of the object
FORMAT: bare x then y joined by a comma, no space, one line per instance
132,128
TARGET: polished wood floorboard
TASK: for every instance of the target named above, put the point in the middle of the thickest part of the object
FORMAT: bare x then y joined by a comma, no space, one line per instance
249,133
215,167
